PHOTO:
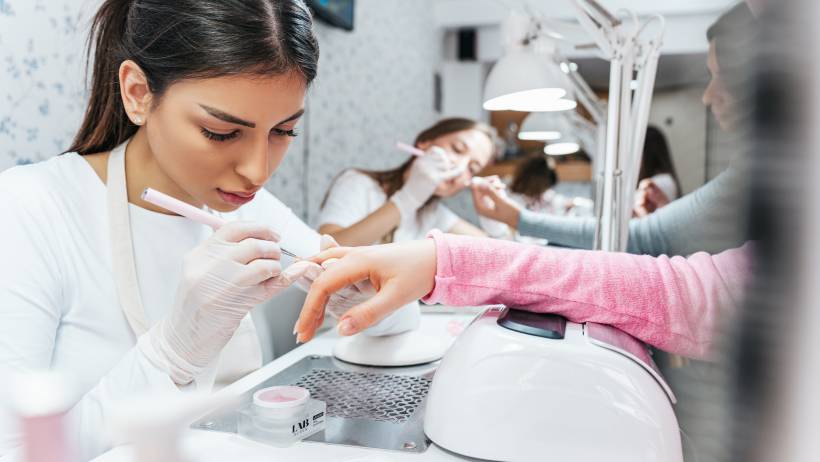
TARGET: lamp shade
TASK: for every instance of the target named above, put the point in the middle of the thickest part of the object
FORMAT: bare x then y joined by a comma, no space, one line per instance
524,80
544,126
563,147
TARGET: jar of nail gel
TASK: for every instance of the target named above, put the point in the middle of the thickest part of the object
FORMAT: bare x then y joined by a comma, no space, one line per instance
282,402
281,416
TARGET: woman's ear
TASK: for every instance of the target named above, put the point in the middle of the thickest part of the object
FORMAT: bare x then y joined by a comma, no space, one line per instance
136,96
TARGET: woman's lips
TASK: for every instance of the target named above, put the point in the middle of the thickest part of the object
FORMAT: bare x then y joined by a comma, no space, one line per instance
236,198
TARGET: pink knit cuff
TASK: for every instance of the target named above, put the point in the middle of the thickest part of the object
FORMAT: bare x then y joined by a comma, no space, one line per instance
444,269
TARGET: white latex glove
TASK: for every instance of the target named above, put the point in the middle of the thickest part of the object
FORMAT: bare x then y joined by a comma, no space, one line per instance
344,299
426,173
223,278
403,320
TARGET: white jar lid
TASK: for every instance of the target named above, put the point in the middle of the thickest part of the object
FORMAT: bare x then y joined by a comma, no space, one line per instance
281,397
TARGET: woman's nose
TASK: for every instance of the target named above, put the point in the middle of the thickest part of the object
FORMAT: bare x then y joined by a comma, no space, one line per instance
462,162
453,159
255,165
707,94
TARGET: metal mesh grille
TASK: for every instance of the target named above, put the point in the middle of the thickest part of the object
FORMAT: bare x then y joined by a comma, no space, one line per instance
357,395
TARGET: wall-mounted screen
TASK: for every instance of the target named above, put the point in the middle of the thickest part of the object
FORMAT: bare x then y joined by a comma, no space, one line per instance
337,13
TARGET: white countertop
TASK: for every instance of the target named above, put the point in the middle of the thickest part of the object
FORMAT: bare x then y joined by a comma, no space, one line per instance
214,446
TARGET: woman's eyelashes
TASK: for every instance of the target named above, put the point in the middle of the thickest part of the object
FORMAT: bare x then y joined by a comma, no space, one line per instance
213,136
282,132
219,136
459,147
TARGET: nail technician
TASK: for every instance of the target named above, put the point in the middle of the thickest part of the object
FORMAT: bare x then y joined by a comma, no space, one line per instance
364,207
197,99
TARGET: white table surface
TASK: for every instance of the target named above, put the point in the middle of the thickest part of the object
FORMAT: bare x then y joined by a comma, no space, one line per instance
207,446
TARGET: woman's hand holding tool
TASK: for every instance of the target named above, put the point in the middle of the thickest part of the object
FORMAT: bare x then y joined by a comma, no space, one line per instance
223,278
426,174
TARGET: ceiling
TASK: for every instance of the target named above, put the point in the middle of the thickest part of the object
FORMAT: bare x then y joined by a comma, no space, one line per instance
683,55
673,71
461,13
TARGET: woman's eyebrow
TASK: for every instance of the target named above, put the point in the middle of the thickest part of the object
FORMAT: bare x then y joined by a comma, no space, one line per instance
224,116
298,114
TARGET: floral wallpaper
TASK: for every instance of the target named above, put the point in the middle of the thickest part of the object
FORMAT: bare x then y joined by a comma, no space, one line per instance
41,76
375,86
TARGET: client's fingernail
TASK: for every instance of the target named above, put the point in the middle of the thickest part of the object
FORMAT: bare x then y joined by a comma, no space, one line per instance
295,331
276,236
347,327
326,264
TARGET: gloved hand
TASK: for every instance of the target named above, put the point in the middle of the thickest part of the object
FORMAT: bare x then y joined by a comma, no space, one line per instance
426,173
347,297
223,278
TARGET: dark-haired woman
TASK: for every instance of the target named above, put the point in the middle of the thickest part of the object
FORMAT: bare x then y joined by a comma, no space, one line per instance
658,182
532,187
364,207
200,100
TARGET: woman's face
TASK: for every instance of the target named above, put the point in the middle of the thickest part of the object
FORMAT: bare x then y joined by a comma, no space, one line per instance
220,139
470,149
716,95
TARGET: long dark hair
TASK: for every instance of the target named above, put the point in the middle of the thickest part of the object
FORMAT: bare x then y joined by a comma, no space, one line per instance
533,177
187,39
656,158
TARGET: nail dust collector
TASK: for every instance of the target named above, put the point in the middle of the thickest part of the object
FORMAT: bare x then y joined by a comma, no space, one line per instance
519,386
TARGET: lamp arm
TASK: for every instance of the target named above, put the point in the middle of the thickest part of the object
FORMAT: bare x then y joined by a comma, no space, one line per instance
598,13
641,108
646,65
596,107
602,30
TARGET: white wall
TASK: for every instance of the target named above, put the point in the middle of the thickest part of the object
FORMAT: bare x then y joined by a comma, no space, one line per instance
375,87
682,117
462,89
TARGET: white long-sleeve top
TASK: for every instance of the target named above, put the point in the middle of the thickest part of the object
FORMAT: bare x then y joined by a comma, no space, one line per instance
354,196
59,308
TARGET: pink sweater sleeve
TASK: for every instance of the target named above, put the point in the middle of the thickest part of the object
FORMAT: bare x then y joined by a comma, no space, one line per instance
671,303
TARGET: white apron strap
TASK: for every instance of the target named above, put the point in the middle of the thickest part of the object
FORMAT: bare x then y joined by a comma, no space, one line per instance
122,251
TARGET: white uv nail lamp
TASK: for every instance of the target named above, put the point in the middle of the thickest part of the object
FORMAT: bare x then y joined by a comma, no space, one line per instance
396,341
521,386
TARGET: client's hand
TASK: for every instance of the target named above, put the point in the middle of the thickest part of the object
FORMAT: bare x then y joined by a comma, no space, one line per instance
344,298
490,200
400,273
